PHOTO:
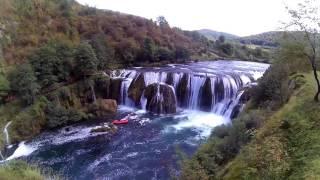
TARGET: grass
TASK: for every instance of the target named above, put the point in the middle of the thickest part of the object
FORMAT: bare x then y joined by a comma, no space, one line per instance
20,170
287,146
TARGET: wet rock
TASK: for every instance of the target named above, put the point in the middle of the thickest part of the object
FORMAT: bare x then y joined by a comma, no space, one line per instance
102,86
136,89
245,97
236,111
104,107
183,91
107,127
219,90
206,96
170,80
115,88
160,99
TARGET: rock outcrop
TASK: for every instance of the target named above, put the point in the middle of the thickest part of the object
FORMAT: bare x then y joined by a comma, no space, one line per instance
160,99
206,96
104,107
183,91
136,89
115,87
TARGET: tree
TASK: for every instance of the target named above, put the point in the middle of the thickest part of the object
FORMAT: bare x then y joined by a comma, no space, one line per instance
182,53
23,83
162,22
86,61
52,63
306,19
149,49
103,51
222,39
163,54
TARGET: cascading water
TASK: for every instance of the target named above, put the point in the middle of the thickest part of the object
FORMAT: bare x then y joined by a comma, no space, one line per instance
6,133
189,83
207,93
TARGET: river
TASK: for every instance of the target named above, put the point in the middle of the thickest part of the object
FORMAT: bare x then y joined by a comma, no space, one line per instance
147,147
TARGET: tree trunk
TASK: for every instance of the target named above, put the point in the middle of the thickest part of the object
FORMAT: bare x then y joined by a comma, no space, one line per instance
315,74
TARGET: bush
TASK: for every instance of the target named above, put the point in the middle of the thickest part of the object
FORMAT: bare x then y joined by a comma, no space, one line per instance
23,83
223,145
52,63
272,90
57,115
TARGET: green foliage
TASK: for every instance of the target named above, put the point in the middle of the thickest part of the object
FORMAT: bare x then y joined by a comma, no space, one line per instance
86,62
164,54
273,87
149,49
31,118
182,53
222,39
287,146
223,145
104,52
162,22
23,83
226,48
52,63
4,88
19,170
57,115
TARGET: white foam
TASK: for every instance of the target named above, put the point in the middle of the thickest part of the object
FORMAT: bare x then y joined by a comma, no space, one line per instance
126,108
132,154
22,150
201,121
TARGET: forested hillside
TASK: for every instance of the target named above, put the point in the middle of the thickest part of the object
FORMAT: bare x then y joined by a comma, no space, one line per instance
27,25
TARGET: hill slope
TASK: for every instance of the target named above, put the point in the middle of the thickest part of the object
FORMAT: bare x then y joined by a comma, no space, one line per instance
214,35
27,25
287,146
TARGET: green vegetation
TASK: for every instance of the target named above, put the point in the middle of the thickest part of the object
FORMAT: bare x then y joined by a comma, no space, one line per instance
23,83
19,170
277,140
276,136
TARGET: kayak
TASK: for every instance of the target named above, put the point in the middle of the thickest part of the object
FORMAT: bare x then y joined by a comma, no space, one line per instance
121,121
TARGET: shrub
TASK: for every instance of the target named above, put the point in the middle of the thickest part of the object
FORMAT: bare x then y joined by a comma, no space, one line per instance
57,115
23,83
273,87
52,63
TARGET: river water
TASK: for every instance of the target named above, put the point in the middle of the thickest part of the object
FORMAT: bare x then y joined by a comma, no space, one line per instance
146,148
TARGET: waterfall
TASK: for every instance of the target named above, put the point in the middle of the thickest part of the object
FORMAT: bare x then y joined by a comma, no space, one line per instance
6,133
189,83
2,157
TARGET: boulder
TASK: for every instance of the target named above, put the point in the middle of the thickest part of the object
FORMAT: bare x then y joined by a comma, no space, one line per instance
104,107
106,127
136,89
206,96
183,91
161,99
